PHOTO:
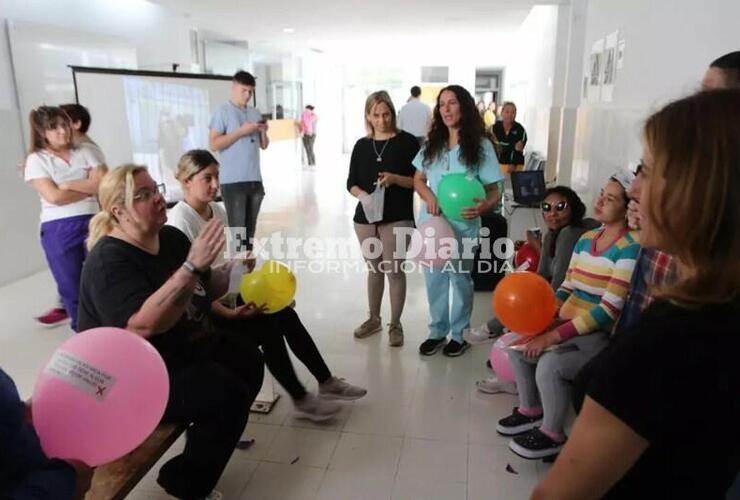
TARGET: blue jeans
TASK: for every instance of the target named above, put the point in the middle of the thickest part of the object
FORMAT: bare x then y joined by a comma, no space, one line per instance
449,318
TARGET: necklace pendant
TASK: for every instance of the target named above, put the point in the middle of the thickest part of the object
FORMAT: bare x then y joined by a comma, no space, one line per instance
378,159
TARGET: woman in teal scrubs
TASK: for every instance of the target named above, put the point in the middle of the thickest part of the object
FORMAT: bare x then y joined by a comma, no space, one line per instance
456,144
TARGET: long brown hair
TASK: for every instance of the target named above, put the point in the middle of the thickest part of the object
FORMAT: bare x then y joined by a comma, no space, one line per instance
471,133
46,118
694,192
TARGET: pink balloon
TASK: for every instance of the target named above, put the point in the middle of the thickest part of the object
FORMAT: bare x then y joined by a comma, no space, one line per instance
101,395
500,357
431,242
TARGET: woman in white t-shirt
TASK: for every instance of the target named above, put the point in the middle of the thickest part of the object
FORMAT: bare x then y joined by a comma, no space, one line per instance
66,179
197,172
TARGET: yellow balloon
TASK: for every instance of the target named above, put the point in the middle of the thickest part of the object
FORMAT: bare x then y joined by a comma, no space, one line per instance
281,282
253,289
273,285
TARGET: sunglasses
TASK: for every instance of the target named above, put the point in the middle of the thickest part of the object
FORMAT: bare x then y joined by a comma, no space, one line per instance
559,206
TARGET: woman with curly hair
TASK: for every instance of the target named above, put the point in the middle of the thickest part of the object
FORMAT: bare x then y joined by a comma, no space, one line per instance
456,144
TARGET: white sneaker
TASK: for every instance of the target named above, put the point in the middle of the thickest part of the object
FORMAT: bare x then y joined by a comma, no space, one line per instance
492,385
315,409
480,335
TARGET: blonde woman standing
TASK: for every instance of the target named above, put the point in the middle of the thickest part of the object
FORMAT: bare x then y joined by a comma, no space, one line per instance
382,159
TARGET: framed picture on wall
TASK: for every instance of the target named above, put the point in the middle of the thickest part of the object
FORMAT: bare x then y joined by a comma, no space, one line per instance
595,70
610,67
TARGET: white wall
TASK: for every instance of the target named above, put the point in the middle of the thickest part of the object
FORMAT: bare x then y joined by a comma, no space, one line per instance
160,38
529,74
669,44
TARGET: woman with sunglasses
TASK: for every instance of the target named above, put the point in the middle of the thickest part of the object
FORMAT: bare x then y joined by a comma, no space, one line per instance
66,179
660,417
563,212
590,299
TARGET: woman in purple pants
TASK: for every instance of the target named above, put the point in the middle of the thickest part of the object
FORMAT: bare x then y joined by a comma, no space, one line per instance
66,179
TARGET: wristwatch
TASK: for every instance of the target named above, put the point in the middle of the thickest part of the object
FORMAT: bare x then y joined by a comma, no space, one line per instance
191,267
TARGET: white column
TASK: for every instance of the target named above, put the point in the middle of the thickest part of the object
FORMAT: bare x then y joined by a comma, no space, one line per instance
573,82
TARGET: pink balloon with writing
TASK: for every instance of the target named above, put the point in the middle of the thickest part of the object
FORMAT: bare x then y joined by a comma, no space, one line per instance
101,394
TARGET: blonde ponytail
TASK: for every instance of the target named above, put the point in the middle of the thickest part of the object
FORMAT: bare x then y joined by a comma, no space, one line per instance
100,225
116,188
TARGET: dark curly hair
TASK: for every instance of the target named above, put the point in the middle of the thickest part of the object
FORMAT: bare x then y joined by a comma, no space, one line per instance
577,208
471,133
577,211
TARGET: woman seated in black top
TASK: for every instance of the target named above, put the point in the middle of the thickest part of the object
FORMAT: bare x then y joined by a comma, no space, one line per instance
661,415
148,278
382,159
509,138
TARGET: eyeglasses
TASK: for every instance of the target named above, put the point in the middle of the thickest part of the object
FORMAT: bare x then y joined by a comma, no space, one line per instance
559,206
148,194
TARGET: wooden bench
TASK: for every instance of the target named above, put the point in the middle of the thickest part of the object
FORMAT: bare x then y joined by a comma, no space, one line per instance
115,480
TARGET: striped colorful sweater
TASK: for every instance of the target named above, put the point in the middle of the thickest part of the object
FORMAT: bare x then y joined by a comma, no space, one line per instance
596,284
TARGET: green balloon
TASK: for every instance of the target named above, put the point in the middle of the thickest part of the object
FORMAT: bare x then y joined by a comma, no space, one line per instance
456,192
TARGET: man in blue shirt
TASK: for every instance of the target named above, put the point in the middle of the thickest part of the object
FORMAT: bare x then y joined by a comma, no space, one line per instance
238,132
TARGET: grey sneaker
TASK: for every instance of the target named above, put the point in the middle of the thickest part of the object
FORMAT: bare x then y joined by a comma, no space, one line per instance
337,388
492,385
395,334
315,409
369,327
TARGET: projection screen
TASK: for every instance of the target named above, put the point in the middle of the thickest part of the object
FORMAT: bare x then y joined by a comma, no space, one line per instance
149,117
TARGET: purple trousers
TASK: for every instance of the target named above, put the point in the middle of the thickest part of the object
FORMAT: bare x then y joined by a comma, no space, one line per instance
63,241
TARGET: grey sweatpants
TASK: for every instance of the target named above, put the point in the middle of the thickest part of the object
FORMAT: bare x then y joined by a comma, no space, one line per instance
546,381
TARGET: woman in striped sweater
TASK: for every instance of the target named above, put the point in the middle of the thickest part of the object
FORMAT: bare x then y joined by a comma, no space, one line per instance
590,300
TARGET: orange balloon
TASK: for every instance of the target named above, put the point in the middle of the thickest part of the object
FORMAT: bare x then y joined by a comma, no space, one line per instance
524,303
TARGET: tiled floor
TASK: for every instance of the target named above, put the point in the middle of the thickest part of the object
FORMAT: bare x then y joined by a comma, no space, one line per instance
422,432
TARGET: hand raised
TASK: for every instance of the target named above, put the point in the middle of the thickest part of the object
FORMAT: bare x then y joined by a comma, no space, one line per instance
208,245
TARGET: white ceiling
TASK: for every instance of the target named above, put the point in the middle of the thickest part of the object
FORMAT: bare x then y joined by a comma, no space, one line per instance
342,26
